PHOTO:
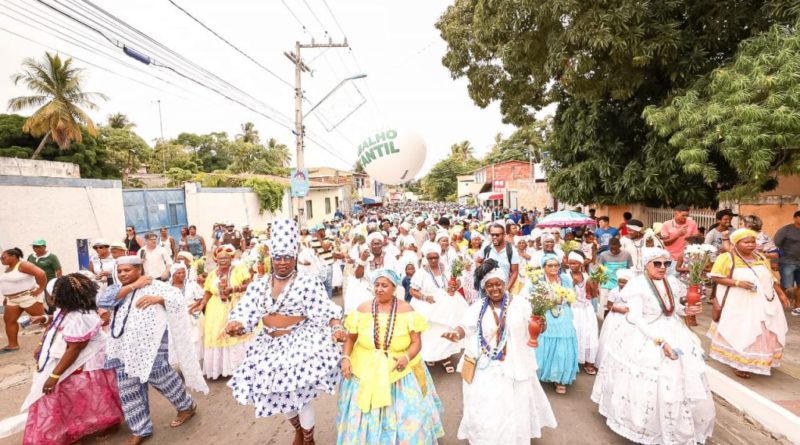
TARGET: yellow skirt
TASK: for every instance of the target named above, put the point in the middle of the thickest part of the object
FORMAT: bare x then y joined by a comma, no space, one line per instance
216,317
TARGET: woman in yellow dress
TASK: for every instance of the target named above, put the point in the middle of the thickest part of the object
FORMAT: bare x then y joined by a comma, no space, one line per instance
224,286
387,395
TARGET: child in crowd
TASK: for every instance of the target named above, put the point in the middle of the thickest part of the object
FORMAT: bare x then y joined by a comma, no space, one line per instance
410,269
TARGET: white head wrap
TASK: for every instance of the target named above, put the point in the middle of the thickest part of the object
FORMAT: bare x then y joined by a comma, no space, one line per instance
548,237
442,234
186,255
405,226
129,259
176,267
536,233
430,247
575,256
634,227
374,236
494,273
651,253
625,274
285,238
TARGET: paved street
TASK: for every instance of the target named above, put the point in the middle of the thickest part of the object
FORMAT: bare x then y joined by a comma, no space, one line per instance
221,420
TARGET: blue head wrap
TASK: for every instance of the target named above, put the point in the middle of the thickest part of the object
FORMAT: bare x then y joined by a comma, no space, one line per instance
388,274
547,257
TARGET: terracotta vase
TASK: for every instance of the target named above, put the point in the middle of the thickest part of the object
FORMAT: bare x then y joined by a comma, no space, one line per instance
261,268
536,325
692,298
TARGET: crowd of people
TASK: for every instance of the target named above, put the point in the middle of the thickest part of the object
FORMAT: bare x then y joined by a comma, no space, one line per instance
422,285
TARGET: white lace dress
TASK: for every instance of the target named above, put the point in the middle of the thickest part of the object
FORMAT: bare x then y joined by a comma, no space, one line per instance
282,374
505,403
611,323
646,397
442,316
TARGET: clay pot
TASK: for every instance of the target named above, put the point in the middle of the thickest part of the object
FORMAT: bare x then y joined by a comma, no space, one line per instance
536,325
693,295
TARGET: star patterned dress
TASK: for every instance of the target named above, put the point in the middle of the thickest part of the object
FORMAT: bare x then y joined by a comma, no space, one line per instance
282,374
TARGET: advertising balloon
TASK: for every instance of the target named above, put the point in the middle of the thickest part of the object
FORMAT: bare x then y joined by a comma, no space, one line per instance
392,156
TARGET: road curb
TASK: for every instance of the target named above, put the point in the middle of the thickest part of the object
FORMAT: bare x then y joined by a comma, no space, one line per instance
773,418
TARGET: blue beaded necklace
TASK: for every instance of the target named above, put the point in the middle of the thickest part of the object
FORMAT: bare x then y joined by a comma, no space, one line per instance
497,352
433,277
54,329
124,320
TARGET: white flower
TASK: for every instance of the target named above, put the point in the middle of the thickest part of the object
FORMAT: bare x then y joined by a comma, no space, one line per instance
694,249
708,248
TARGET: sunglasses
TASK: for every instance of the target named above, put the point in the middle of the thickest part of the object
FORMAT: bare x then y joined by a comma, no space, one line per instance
551,265
660,264
281,258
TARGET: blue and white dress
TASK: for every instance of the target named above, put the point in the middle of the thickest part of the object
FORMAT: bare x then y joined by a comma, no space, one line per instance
557,353
284,373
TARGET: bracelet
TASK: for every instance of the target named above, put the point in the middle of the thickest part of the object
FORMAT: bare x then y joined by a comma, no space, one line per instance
345,357
337,327
735,283
55,376
659,341
408,360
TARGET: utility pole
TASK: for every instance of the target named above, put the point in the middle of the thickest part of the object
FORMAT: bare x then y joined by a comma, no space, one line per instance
299,129
160,120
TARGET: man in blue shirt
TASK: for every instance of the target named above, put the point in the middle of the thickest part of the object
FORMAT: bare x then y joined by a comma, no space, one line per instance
604,233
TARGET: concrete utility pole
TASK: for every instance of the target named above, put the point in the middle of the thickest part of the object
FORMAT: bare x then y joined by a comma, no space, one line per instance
299,130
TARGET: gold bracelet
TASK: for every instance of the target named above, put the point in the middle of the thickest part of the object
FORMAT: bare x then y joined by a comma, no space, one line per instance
55,376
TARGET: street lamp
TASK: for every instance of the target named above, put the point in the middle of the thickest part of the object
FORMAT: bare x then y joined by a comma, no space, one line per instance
339,85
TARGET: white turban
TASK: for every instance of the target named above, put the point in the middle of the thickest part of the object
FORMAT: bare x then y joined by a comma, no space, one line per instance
625,274
129,259
575,256
374,236
651,253
494,273
405,226
430,247
442,234
176,267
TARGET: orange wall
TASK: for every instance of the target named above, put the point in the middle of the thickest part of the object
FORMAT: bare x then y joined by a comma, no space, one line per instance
774,216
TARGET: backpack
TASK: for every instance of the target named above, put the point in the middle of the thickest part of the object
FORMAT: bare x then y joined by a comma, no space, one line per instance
509,252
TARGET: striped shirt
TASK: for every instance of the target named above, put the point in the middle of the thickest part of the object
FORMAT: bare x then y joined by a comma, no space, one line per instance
325,256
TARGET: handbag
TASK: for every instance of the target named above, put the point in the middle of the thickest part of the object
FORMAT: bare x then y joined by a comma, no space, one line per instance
716,308
468,369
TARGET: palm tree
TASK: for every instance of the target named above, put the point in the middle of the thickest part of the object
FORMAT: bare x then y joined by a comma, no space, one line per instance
280,152
120,121
462,151
57,88
249,133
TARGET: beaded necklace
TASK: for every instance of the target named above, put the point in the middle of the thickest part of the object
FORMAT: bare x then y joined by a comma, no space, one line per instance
497,352
433,277
747,263
54,329
227,281
671,300
124,320
389,327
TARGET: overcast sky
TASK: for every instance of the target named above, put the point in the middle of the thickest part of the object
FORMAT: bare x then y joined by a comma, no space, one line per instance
393,42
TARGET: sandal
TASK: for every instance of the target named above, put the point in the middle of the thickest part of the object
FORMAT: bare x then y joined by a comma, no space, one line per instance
590,369
742,374
7,350
136,440
561,389
184,416
430,364
448,367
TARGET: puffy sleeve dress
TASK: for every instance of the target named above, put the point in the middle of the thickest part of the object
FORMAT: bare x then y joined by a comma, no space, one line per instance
505,403
222,354
282,374
645,396
379,405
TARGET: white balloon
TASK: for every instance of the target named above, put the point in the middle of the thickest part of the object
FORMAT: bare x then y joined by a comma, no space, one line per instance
392,156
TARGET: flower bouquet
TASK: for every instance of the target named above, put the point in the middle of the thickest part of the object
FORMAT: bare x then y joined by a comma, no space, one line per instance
532,273
456,270
541,299
599,275
569,246
697,257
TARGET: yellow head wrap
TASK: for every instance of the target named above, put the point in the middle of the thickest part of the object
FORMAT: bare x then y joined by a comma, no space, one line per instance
741,234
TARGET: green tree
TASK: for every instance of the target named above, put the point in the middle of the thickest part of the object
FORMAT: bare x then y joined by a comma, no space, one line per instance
127,151
525,144
119,120
603,62
441,183
747,112
279,152
57,88
211,151
462,151
249,133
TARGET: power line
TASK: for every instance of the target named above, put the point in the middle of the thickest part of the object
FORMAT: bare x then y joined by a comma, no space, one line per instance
285,82
335,21
313,14
297,19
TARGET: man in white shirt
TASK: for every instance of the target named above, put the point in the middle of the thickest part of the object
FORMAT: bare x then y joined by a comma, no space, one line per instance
156,259
633,243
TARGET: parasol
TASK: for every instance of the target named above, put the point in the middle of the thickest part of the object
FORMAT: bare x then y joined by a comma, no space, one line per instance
566,218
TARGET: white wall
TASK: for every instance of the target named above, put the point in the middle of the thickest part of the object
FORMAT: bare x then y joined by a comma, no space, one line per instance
208,205
317,197
27,167
60,210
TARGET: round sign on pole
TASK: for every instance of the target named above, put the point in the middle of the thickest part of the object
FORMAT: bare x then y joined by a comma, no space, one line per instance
392,156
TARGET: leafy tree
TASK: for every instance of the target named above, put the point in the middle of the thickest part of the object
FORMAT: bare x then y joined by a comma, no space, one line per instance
462,151
526,143
119,120
11,133
211,151
57,88
177,176
249,133
279,152
747,112
127,151
603,62
441,183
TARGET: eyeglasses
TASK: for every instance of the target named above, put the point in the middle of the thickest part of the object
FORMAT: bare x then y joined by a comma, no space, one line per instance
660,264
129,230
551,265
281,258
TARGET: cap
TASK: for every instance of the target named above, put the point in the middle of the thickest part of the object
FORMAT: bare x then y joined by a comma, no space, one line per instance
100,242
38,242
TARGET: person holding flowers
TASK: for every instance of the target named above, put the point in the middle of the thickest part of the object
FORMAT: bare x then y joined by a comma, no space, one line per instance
223,288
557,354
652,387
751,332
387,395
583,313
503,399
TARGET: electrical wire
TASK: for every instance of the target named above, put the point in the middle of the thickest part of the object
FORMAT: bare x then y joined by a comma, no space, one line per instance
257,63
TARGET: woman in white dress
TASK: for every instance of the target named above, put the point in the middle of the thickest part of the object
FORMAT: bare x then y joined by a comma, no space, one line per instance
617,307
652,387
437,301
449,254
372,257
192,293
504,403
583,315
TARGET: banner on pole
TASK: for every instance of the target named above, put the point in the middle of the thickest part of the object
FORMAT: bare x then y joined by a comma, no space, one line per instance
299,183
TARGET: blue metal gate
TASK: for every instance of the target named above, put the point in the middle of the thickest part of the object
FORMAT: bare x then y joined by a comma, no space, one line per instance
151,209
